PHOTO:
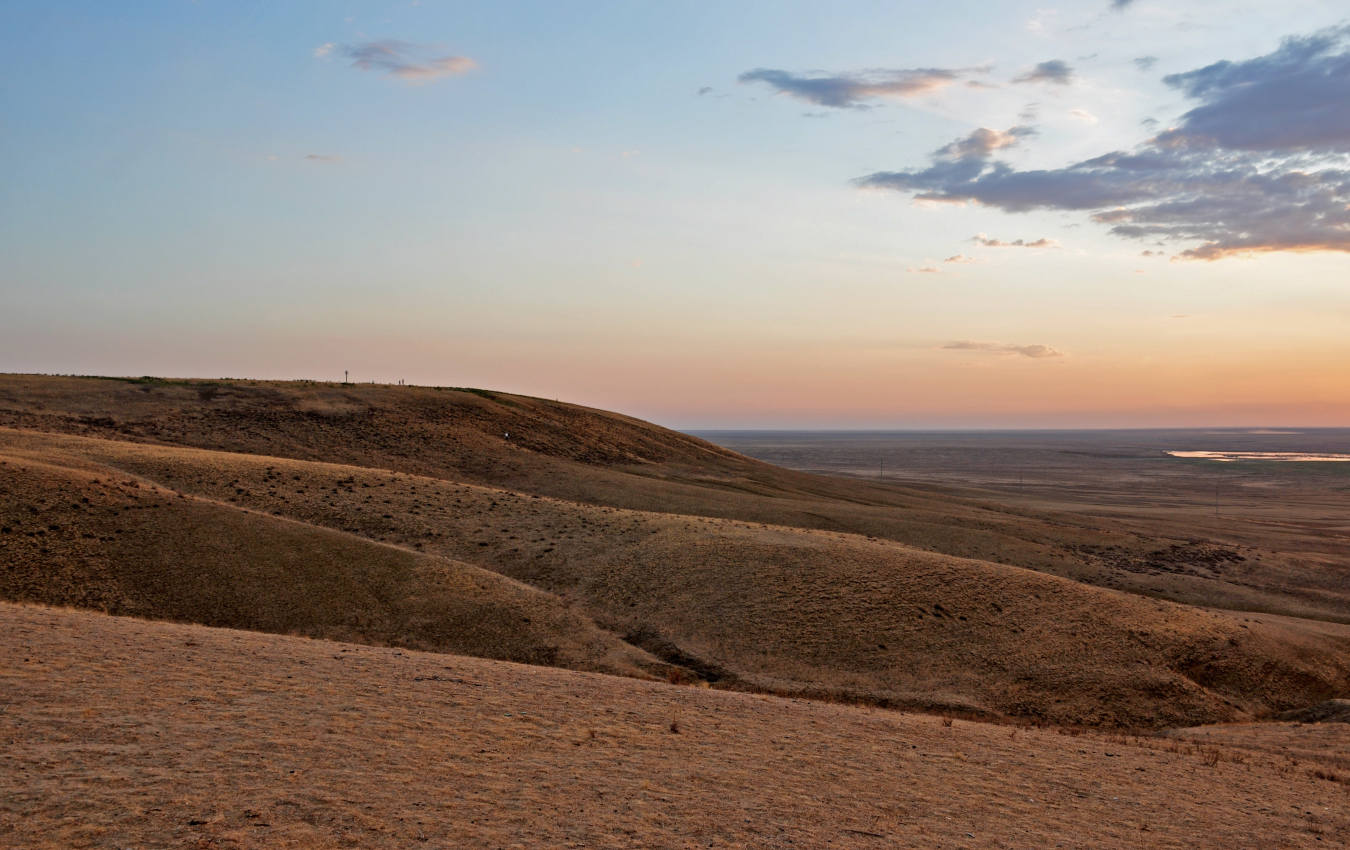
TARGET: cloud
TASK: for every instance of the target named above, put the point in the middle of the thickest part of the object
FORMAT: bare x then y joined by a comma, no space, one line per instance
1293,99
323,50
1146,63
1261,164
983,142
410,62
1120,5
1054,71
924,270
1043,242
322,157
704,90
1083,115
959,258
849,91
1034,351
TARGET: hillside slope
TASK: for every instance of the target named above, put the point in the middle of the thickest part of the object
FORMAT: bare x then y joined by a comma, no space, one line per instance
750,605
97,539
585,455
122,733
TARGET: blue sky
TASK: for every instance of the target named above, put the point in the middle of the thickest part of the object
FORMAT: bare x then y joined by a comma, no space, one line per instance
671,209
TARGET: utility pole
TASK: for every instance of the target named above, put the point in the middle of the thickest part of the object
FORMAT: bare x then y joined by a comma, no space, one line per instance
344,376
882,474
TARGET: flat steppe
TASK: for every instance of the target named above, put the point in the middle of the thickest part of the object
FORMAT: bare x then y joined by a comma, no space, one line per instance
119,732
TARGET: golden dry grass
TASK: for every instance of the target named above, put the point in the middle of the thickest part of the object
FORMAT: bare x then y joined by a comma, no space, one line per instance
124,733
586,455
748,605
103,540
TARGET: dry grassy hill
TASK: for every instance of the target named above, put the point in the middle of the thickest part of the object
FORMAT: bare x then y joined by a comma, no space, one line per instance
591,456
598,458
536,531
98,539
124,733
745,605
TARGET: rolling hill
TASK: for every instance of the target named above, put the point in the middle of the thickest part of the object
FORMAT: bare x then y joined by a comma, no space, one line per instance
407,516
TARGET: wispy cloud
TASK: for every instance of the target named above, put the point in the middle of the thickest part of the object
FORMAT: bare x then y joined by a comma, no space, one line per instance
1034,351
1121,5
983,142
414,63
853,90
1054,71
1043,242
1261,164
323,157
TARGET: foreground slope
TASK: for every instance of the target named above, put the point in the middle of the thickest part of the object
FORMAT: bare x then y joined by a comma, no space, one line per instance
747,605
120,733
580,454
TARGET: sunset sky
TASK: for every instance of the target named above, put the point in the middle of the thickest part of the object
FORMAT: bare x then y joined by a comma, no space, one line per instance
846,214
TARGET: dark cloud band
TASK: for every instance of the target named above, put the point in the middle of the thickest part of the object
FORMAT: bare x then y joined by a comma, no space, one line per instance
1262,164
853,91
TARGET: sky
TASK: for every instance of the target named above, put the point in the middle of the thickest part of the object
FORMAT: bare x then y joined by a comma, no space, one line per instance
1109,213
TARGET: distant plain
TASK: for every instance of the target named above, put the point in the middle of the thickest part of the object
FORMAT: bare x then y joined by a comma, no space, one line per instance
1300,509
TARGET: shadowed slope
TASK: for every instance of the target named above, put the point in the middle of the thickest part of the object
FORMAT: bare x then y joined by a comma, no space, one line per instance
98,539
792,610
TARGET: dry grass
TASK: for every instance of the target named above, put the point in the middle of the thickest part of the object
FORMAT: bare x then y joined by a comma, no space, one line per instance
585,455
101,539
592,540
122,733
1319,747
790,611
